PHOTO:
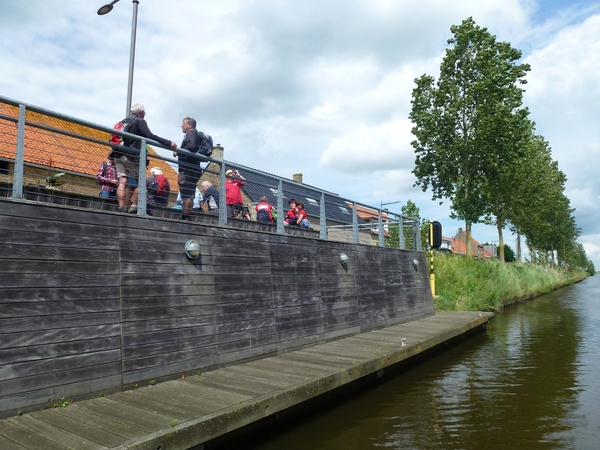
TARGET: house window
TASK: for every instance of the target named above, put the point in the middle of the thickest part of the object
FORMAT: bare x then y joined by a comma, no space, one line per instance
312,201
4,167
344,210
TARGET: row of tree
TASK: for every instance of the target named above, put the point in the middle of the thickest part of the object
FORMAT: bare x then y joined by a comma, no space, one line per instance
476,146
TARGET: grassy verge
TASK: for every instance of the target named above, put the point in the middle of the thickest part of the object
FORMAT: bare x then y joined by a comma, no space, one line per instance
463,284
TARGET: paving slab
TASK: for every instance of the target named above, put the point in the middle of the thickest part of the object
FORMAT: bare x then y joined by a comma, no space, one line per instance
183,413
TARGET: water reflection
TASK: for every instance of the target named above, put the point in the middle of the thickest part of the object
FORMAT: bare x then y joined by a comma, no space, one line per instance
531,382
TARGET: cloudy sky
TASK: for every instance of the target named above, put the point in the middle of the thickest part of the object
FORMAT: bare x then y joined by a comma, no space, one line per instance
321,88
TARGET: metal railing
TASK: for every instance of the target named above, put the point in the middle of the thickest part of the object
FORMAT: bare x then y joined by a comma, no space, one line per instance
44,153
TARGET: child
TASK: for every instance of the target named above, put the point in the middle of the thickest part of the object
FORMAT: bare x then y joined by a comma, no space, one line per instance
301,219
290,219
264,211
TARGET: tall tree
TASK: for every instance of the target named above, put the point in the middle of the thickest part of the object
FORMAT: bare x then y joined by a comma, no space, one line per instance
465,124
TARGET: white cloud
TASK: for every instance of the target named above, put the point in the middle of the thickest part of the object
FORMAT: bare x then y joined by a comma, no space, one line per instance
321,88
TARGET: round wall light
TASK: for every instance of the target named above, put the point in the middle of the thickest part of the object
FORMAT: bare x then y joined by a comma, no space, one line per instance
343,259
192,249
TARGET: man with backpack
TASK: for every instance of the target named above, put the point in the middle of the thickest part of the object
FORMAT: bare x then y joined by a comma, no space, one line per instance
190,171
127,162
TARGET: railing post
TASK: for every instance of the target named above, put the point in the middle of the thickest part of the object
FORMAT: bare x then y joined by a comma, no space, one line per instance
380,232
418,246
223,197
401,244
142,191
280,212
18,177
323,218
354,224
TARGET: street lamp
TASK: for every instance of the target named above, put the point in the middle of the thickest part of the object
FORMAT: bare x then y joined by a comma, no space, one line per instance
105,10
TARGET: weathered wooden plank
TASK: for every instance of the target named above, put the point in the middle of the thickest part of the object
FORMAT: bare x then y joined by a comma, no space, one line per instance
58,281
23,339
169,370
19,237
24,324
137,418
206,301
57,267
167,335
156,314
102,437
29,439
172,281
14,309
237,307
24,294
241,326
14,386
41,253
52,434
169,346
39,399
9,444
166,358
173,323
56,350
106,424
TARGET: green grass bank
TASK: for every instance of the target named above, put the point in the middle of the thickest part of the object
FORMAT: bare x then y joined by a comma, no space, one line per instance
469,284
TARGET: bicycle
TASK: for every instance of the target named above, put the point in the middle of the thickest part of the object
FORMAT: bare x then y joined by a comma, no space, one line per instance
240,212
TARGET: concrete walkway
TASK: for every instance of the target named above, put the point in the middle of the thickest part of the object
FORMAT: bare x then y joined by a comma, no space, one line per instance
180,414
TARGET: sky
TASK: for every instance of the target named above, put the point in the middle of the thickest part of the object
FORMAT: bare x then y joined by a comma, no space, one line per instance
321,88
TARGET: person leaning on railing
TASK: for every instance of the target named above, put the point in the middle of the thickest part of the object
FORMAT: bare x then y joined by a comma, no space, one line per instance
128,163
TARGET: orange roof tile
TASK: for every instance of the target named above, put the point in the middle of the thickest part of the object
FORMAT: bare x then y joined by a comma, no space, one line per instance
60,151
368,213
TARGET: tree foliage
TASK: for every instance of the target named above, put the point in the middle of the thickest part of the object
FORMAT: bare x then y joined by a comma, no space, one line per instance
475,146
465,125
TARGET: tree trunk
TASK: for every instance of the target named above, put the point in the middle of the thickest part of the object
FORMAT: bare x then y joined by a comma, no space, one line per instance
500,242
519,246
468,248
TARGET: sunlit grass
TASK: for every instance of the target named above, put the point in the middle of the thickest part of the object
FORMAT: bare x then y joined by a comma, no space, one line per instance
479,285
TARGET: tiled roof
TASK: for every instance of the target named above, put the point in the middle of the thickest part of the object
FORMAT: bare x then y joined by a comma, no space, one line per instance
62,152
369,214
458,245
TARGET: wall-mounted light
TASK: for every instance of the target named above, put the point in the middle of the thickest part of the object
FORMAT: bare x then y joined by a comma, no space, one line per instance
343,259
192,249
416,263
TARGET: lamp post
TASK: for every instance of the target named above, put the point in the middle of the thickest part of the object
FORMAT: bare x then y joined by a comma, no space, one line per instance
105,10
381,240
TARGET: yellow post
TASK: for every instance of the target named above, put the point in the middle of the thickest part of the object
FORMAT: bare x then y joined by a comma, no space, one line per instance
431,274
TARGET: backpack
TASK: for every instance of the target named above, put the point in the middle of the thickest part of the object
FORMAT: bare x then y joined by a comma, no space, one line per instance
116,139
123,125
161,182
205,144
262,215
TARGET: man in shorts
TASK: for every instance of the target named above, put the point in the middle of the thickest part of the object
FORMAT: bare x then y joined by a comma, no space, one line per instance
189,167
127,164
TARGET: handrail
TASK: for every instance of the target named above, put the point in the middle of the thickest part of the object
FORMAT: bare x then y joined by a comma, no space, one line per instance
283,186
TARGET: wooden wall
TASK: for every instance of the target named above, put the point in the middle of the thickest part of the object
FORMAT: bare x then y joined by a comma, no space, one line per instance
96,301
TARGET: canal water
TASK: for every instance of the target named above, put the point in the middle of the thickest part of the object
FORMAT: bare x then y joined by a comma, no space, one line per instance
532,381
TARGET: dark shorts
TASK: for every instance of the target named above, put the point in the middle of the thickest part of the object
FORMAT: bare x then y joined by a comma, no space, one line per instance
188,180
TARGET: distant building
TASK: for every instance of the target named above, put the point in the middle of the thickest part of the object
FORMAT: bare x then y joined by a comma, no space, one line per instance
458,246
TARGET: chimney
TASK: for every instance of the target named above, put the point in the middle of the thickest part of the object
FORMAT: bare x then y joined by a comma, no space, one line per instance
297,177
217,152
